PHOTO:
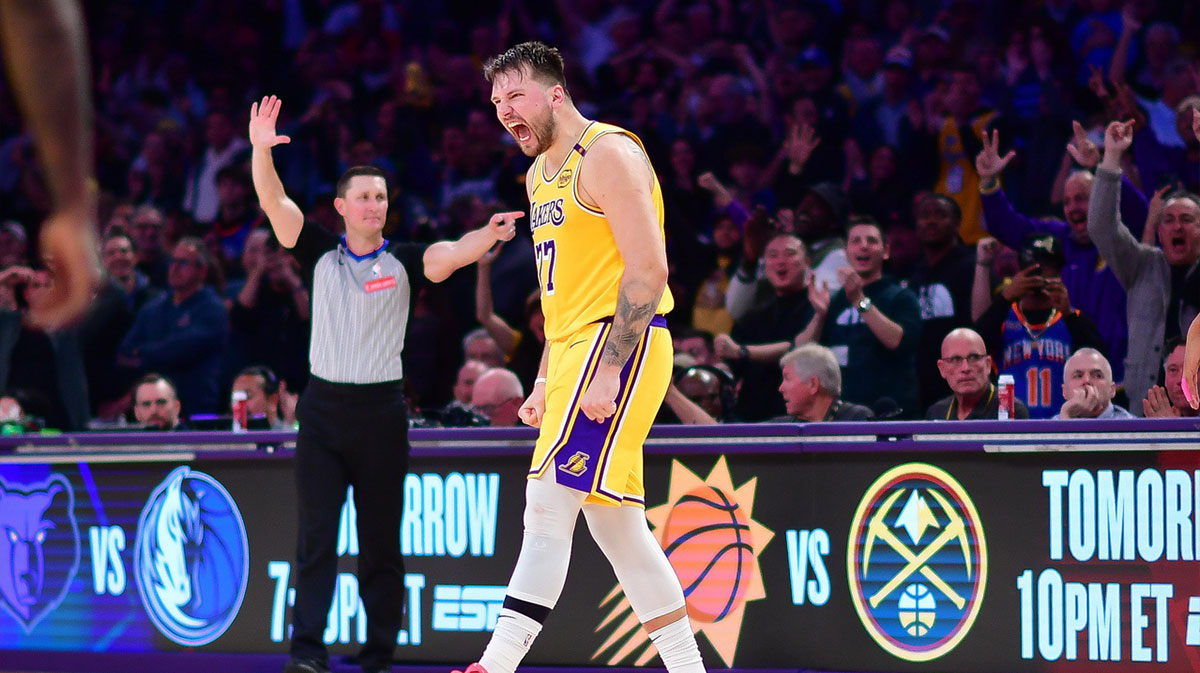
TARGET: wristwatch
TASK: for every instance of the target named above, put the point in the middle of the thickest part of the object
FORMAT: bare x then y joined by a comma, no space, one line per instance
865,305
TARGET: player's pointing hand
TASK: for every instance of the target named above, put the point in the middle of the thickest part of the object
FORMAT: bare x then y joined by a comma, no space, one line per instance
502,225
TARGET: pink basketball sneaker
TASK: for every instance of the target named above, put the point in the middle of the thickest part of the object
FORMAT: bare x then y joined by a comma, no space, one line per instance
473,668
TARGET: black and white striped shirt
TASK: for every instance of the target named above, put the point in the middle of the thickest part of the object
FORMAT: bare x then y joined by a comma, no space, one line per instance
360,305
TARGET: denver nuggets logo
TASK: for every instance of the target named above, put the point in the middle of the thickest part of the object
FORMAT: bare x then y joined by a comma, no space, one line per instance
713,543
917,562
564,178
576,465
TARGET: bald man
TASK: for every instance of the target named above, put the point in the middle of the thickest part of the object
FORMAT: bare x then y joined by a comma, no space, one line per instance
967,368
498,395
1088,387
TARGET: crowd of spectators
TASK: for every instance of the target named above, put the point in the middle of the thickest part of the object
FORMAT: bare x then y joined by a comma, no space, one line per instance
872,206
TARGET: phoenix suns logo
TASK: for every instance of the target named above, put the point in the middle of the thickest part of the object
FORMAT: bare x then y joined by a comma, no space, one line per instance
707,529
917,562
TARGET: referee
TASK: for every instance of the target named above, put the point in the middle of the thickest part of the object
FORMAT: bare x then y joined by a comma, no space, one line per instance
353,416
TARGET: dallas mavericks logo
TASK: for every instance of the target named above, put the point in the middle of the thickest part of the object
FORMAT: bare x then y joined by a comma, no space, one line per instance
917,562
39,547
191,558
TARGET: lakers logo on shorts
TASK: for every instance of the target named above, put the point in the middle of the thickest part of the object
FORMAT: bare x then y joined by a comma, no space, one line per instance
917,562
564,178
576,465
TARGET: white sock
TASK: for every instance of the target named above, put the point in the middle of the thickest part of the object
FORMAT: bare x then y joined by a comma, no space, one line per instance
510,642
677,647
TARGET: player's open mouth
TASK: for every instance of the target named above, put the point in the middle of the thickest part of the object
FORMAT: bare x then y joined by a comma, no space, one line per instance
521,132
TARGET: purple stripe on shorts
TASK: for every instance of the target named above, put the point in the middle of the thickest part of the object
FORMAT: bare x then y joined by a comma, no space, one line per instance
597,348
578,461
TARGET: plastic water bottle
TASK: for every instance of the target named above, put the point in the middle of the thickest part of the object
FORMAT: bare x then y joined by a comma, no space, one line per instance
1007,397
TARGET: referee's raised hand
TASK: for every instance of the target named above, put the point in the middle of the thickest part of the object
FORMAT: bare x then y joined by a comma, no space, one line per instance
263,117
503,225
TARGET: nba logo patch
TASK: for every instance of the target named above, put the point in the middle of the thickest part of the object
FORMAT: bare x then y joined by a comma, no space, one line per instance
564,178
917,562
576,465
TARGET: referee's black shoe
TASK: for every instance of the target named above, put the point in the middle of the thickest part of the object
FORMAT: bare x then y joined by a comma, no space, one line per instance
305,666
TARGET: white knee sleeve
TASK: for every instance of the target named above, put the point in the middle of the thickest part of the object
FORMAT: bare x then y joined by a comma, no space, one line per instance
550,514
641,567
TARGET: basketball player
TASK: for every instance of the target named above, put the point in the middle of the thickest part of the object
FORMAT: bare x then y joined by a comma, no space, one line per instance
44,44
596,212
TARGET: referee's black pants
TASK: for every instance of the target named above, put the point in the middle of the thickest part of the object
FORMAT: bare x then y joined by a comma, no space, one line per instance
350,435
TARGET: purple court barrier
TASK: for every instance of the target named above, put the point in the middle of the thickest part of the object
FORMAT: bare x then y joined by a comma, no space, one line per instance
907,546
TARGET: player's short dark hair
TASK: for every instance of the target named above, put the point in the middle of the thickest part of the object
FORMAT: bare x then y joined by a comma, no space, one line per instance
545,63
343,182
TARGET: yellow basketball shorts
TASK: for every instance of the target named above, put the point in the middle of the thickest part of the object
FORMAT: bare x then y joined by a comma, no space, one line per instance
602,459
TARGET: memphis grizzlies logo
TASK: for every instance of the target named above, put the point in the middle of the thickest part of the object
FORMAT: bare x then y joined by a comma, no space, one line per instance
191,559
39,547
917,562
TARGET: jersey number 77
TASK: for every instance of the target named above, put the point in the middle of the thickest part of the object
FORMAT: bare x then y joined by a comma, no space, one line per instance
545,256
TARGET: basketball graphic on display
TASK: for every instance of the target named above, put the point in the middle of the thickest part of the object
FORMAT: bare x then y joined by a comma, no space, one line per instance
916,609
707,539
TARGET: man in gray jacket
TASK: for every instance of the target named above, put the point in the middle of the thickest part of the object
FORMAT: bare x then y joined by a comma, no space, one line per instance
1162,285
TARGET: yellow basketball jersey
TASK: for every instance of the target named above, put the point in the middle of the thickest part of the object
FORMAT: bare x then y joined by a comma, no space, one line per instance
579,266
957,177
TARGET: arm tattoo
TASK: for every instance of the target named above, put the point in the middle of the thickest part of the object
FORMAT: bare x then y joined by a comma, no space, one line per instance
636,304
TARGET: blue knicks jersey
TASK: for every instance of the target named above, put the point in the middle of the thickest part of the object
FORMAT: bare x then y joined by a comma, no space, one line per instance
1035,355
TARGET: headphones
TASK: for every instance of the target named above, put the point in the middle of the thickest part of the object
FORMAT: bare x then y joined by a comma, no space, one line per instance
726,385
270,380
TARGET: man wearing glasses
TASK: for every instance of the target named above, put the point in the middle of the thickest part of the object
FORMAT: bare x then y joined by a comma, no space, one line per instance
967,368
182,333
